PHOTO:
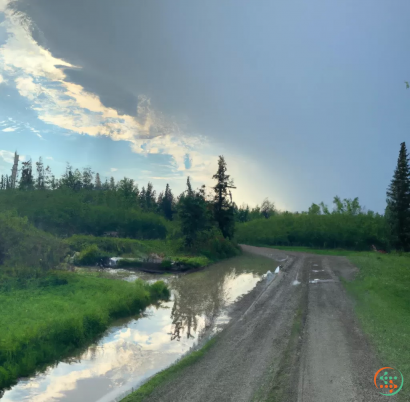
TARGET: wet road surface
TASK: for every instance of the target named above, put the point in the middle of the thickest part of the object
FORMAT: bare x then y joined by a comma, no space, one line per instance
296,340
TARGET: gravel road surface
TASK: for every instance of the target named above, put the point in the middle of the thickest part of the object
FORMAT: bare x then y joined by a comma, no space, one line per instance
295,340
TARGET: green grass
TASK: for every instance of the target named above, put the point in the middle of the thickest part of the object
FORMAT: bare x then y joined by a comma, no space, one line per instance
43,324
168,374
382,294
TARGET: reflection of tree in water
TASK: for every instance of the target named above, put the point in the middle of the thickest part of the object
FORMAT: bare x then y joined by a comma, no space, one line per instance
199,294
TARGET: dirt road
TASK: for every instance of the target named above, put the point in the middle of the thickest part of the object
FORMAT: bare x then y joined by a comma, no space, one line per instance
294,340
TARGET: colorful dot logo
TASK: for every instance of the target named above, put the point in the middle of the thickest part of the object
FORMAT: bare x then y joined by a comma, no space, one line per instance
388,381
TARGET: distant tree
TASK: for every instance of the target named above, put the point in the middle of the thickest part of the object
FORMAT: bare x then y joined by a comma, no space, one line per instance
71,179
113,186
150,198
325,208
242,213
97,184
166,203
26,179
40,182
193,214
105,186
87,178
398,201
127,191
267,208
142,199
314,209
223,208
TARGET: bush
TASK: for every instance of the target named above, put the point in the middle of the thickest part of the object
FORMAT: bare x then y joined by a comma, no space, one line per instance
26,251
355,232
91,255
166,264
159,290
65,213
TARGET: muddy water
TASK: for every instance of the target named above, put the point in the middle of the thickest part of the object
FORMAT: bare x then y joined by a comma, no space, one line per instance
134,349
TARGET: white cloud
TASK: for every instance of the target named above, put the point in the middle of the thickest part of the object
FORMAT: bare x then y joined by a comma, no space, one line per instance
71,107
114,169
1,79
39,136
9,129
49,158
7,156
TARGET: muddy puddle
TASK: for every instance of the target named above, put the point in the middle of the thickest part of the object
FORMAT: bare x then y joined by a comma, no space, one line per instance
134,349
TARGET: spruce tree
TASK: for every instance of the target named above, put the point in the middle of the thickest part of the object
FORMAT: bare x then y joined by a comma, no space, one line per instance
223,207
193,214
26,180
166,203
398,202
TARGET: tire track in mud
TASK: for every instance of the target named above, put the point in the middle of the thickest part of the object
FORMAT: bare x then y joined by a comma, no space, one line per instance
294,340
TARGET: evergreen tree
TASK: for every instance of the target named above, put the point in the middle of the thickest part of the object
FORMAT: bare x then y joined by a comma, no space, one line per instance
242,213
398,202
26,179
113,186
193,214
166,203
150,198
72,180
127,191
142,199
87,178
106,185
223,208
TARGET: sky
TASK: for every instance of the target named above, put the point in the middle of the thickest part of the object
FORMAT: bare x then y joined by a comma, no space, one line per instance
306,100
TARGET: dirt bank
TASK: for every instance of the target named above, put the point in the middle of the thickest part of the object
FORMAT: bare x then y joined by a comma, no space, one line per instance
295,340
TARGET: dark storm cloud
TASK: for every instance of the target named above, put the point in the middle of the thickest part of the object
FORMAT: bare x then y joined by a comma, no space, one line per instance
310,90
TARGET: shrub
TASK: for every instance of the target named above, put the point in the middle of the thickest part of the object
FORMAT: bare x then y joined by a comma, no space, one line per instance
159,290
91,255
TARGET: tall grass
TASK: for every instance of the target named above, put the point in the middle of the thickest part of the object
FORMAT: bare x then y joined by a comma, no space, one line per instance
46,323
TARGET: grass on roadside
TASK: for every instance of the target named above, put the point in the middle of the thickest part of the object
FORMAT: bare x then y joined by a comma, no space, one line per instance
168,374
382,294
40,325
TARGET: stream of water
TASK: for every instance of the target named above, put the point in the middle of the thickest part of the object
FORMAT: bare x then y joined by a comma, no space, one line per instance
134,349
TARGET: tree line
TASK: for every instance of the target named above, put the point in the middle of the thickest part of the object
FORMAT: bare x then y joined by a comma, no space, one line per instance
80,203
347,225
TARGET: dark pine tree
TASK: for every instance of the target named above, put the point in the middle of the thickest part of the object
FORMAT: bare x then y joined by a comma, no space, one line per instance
223,208
193,214
27,180
166,203
398,202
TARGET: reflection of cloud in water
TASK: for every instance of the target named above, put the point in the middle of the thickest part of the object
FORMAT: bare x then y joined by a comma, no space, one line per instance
136,349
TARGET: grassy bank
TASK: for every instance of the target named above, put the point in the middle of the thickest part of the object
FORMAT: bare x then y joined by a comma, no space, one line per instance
44,323
382,294
92,249
168,374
